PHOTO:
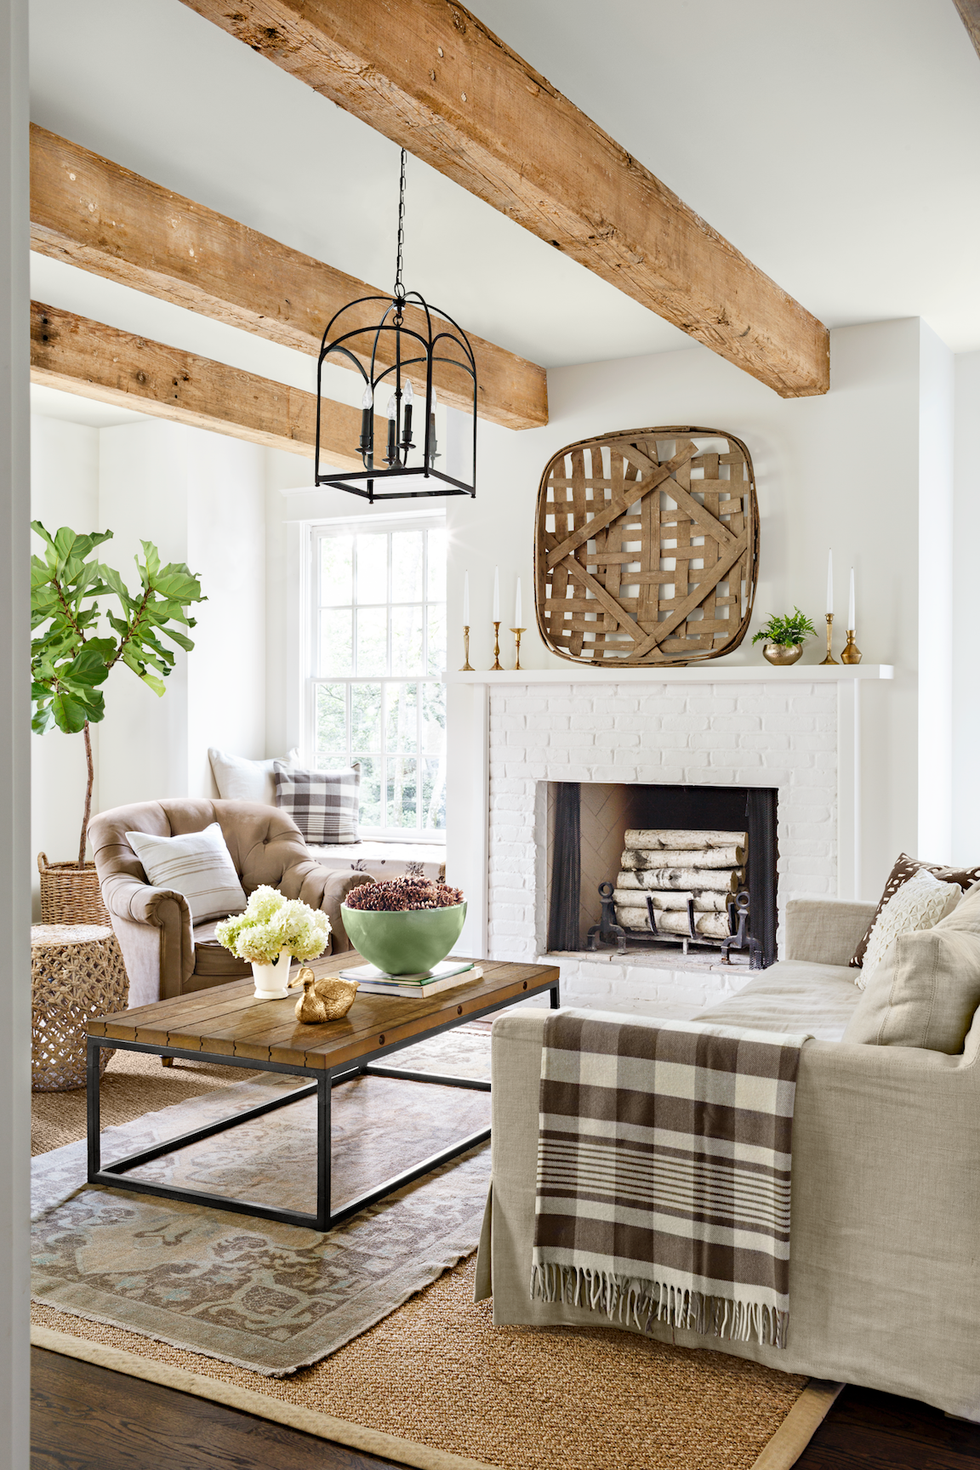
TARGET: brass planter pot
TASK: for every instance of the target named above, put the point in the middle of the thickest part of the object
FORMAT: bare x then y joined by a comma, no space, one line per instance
782,654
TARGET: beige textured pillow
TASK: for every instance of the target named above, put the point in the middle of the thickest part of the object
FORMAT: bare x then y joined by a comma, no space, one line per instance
926,990
920,902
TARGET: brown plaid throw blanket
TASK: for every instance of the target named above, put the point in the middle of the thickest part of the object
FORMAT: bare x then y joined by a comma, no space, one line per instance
664,1155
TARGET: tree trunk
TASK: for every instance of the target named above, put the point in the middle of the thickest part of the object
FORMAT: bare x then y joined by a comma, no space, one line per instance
88,795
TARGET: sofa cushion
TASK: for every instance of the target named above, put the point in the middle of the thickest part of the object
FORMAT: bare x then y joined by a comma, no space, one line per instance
901,873
927,988
792,995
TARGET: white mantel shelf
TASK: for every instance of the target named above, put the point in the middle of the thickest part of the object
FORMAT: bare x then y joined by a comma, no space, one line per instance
691,674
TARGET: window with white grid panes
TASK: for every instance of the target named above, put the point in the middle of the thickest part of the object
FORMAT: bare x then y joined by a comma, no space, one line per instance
375,694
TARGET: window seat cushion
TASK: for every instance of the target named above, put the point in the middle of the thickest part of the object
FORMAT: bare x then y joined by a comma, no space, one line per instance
384,859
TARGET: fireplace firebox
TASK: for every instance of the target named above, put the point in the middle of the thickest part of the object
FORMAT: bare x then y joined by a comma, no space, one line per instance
597,830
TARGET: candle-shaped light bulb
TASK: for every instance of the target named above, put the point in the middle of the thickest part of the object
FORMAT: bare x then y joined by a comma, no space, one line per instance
466,598
517,605
830,583
367,404
433,446
392,429
850,604
496,595
409,398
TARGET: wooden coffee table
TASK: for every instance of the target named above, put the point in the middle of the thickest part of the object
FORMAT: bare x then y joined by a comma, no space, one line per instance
228,1026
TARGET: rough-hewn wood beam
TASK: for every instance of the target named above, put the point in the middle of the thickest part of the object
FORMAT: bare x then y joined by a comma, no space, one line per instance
81,356
430,76
970,15
95,214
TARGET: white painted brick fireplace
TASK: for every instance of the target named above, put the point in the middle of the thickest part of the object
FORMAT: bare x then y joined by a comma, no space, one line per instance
793,730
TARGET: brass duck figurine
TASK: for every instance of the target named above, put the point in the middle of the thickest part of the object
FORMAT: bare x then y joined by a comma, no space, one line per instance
322,1000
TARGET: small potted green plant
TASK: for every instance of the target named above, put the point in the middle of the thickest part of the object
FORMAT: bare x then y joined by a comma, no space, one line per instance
782,638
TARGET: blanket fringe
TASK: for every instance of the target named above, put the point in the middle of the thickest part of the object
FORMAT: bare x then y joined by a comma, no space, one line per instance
630,1301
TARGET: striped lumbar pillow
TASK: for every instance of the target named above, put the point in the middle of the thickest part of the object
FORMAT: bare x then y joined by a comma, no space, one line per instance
323,804
196,864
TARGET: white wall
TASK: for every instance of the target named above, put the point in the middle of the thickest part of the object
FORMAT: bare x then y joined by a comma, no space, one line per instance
965,643
64,492
840,470
935,609
201,498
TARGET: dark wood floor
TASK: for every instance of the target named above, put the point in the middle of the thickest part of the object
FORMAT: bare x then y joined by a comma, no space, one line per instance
85,1416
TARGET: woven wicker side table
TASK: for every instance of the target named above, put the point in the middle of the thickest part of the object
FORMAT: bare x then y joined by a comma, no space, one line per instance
77,972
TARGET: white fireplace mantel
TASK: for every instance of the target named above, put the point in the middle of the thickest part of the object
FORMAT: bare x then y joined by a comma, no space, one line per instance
707,673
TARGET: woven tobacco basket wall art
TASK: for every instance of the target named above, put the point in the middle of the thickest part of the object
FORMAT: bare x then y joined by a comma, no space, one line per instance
647,547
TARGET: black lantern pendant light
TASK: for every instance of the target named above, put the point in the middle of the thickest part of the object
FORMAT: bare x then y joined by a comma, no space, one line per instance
390,355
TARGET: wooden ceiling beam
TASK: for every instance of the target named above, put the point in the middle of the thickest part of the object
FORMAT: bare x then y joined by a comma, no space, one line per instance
431,77
970,16
81,356
95,214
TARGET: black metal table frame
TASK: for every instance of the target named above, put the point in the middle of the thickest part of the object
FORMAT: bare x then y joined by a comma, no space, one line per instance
324,1081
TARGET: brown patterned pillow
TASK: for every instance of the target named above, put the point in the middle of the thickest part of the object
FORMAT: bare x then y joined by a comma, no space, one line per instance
903,870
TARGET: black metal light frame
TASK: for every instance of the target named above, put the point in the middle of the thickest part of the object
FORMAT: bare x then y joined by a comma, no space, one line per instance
412,360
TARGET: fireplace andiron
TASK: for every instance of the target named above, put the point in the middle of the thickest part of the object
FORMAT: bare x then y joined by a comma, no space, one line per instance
607,931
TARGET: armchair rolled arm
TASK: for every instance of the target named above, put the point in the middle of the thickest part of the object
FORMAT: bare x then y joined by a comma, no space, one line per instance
135,908
128,898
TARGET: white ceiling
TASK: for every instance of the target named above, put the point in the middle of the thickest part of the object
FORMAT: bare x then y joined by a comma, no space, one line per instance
834,144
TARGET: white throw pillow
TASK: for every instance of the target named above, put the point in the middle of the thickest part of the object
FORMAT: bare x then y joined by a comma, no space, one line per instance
238,779
196,864
919,903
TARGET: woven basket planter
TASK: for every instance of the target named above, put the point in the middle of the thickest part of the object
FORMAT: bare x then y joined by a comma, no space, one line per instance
70,894
77,974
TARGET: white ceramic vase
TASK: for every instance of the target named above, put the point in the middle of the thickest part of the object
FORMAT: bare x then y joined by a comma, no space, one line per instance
272,981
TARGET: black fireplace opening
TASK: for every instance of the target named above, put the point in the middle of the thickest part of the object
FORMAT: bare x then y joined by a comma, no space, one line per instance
587,824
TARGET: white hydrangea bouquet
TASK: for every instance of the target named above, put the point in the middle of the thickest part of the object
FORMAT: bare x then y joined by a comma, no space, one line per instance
270,934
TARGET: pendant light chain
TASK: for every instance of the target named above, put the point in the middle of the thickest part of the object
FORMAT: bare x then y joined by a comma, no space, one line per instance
399,260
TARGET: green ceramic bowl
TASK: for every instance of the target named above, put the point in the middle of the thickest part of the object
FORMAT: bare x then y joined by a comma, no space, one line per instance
406,942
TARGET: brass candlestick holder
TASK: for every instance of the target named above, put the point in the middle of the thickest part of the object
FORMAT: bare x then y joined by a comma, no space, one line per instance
517,640
467,666
830,639
496,649
852,654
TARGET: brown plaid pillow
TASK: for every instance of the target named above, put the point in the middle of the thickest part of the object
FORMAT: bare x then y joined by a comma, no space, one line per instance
903,870
323,804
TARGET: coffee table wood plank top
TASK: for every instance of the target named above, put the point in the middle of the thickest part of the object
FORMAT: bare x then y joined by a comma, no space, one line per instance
227,1025
235,1024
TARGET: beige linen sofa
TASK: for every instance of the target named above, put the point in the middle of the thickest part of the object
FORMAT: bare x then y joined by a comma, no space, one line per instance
165,953
885,1237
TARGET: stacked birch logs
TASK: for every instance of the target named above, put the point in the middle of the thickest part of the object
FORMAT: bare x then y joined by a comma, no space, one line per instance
674,866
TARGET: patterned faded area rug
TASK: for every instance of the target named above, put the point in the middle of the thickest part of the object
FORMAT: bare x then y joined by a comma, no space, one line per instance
263,1296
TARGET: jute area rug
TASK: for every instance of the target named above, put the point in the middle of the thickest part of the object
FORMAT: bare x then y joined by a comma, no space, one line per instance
434,1385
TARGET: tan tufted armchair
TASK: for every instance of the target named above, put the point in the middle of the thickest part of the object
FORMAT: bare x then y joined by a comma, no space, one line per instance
167,955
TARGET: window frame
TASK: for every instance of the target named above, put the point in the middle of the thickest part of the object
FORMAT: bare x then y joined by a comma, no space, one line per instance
317,531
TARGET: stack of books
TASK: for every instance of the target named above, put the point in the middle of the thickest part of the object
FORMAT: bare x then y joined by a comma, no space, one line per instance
372,981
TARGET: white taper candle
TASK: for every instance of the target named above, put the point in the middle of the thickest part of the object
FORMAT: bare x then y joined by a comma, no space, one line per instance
830,581
496,595
466,599
850,604
517,605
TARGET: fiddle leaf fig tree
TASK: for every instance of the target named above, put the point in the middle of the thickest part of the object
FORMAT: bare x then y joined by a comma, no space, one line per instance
71,658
